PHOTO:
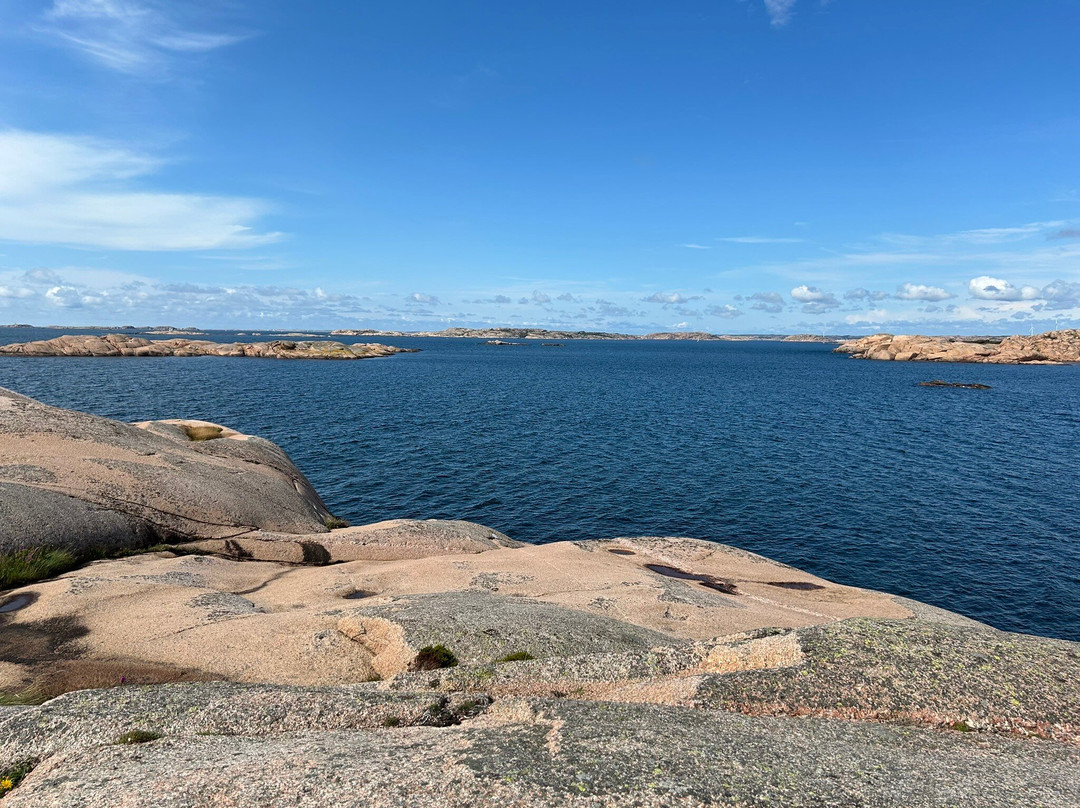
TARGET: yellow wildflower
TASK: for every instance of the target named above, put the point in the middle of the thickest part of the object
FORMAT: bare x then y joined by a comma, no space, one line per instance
6,784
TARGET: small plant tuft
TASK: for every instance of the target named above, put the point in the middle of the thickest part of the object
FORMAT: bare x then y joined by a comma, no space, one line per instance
433,657
137,736
517,656
962,726
335,522
391,721
11,776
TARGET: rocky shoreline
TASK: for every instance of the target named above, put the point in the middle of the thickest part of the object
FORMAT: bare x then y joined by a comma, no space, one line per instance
124,345
1052,347
234,644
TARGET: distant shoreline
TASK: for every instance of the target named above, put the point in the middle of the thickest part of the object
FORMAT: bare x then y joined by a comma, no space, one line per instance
456,333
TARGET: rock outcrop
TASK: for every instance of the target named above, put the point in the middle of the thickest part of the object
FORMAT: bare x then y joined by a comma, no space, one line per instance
90,484
124,345
1053,347
442,663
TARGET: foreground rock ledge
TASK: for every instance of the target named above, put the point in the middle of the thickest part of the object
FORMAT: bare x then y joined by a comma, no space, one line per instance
123,345
1053,347
251,670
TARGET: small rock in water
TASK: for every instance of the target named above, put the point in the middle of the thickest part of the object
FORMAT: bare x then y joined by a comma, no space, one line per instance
966,386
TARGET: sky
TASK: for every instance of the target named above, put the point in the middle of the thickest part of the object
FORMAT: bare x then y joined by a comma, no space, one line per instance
733,166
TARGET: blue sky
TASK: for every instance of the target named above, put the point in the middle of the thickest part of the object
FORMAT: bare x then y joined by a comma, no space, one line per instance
732,166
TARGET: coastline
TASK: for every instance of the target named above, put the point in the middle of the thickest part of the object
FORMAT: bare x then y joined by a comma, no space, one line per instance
320,640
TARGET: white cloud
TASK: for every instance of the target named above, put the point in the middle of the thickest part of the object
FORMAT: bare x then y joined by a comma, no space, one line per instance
77,191
779,11
130,36
864,294
986,288
669,298
420,297
918,291
727,311
697,247
770,302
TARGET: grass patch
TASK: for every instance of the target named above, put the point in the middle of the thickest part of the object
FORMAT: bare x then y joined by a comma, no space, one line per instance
391,721
26,566
28,698
14,774
334,522
137,736
517,656
433,657
962,726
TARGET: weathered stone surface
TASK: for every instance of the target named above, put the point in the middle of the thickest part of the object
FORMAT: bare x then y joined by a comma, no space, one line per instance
1050,348
916,671
69,479
521,753
124,345
255,621
631,671
392,540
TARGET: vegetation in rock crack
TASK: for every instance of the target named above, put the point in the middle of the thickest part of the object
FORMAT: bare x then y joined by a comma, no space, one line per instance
11,776
137,736
433,657
26,566
391,721
335,522
517,656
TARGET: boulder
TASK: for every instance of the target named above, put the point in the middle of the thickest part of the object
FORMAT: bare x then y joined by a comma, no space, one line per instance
91,485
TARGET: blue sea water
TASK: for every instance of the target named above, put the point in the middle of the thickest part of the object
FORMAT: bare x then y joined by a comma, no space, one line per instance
967,499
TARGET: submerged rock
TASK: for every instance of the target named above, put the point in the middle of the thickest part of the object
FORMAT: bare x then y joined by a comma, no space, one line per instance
961,385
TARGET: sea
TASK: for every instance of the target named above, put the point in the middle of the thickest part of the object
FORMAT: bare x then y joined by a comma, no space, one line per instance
965,499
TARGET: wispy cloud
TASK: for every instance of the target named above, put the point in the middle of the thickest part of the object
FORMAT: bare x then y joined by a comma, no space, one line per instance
757,240
132,36
59,189
779,11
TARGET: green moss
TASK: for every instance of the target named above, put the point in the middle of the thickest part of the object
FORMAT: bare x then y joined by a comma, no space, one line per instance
517,656
137,736
962,726
26,566
391,721
334,522
433,657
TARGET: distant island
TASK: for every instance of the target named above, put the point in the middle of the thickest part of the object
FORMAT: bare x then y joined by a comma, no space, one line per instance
1052,347
506,333
123,345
